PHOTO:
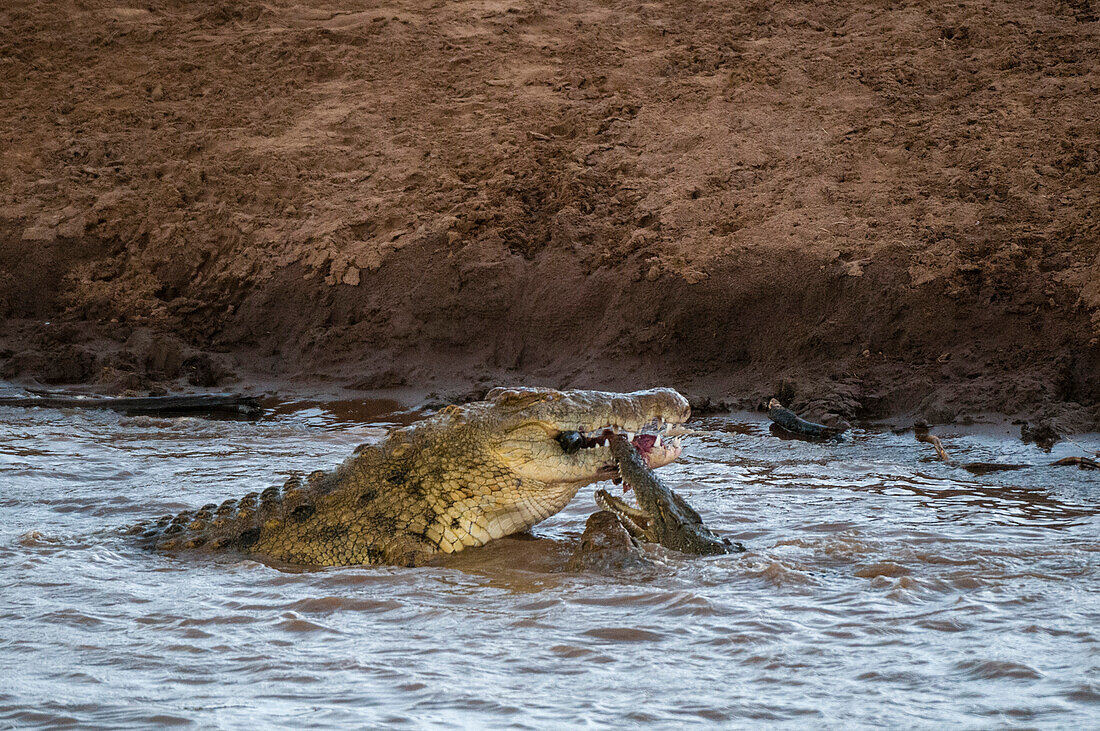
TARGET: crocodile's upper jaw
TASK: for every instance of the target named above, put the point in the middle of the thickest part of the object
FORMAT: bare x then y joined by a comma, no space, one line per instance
552,436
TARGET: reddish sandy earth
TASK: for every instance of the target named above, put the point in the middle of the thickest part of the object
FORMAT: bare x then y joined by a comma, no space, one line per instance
873,210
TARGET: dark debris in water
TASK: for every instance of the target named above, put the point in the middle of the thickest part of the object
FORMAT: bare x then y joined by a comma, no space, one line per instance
985,468
1083,462
193,404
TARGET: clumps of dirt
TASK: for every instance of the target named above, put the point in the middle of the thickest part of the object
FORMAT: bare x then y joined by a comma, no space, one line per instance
116,360
892,207
67,364
1044,434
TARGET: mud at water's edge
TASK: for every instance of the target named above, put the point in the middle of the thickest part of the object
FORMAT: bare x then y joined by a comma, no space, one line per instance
793,327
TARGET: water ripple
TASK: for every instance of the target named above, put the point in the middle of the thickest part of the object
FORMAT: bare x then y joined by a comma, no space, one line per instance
873,573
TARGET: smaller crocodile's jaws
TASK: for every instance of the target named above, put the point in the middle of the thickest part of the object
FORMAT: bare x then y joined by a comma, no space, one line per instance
662,516
465,476
606,546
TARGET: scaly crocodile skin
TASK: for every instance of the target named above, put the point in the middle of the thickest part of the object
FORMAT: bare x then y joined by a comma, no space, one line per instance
461,478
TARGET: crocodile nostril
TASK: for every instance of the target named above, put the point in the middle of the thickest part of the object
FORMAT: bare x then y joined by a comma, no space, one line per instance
570,441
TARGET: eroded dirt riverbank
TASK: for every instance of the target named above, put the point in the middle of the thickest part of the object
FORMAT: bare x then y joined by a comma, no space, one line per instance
871,210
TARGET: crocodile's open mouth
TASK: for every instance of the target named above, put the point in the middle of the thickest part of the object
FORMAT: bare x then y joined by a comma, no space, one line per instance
658,445
634,519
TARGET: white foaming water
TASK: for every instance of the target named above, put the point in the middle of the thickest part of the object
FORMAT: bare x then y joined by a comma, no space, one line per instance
881,587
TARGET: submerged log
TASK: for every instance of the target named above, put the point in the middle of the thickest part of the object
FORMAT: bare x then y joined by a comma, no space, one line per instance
984,468
1083,462
206,403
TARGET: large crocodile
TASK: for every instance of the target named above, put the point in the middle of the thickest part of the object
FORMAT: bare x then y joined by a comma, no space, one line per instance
461,478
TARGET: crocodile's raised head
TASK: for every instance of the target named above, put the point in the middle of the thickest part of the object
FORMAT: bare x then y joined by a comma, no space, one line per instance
460,478
549,437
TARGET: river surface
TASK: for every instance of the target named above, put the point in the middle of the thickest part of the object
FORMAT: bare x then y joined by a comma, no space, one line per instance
881,587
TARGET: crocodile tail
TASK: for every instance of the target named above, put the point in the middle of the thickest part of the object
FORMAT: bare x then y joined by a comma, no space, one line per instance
233,525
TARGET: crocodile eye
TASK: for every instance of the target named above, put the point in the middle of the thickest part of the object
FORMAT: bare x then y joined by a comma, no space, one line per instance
570,441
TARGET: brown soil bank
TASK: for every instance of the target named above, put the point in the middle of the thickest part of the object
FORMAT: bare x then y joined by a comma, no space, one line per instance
870,208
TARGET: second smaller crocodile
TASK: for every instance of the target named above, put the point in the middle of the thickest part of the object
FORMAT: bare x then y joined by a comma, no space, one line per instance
662,516
794,424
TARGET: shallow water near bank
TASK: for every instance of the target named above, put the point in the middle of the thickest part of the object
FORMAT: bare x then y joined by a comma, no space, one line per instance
881,586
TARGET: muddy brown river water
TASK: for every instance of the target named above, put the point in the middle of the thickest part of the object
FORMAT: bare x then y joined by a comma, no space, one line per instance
882,587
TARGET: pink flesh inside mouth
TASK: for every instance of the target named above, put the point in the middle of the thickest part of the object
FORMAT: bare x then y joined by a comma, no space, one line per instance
644,443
